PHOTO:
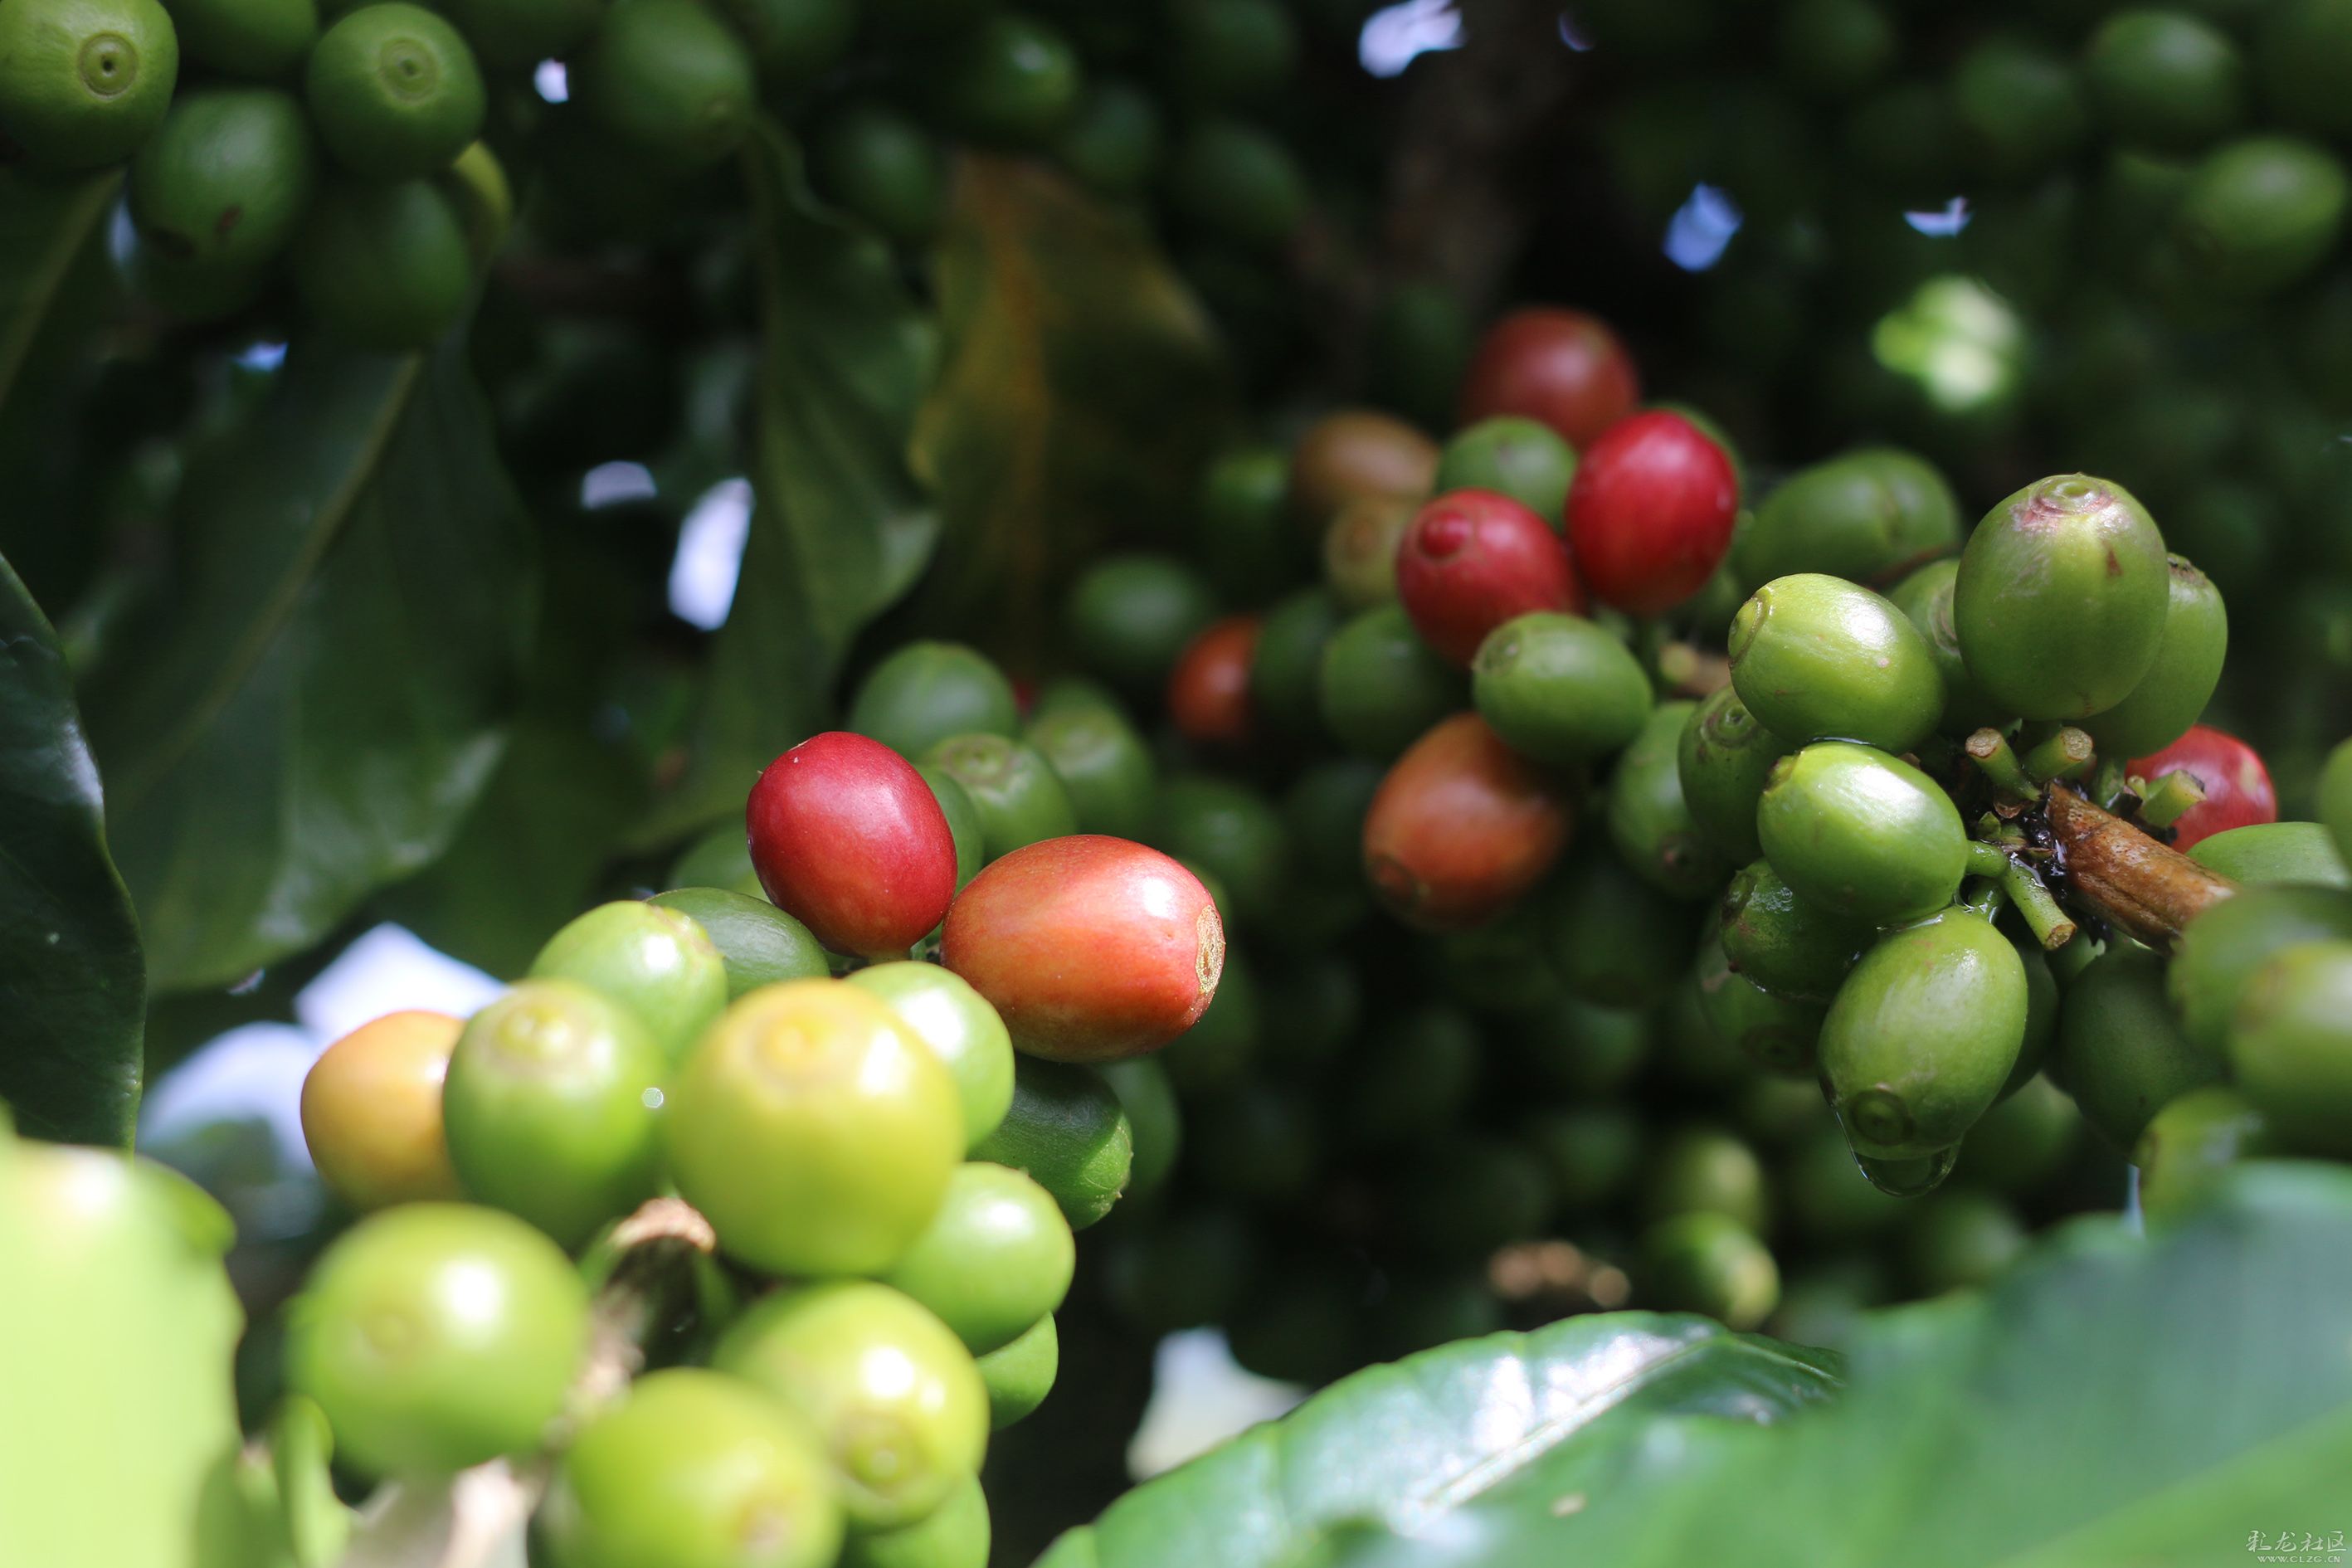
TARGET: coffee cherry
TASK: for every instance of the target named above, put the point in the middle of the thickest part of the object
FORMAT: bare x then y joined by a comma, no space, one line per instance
509,34
2061,598
815,1130
892,1395
1705,1169
693,1469
1461,828
1650,514
2336,797
1781,941
1862,834
1360,549
371,1111
83,85
1923,1034
1287,664
884,167
1560,688
2164,78
2017,104
758,944
1067,1132
1514,455
1649,821
1352,452
654,960
1869,516
382,265
1468,1195
1015,792
1128,617
2166,703
1013,80
1819,658
959,1027
964,826
436,1336
2190,1141
1707,1263
953,1535
1020,1375
1593,1152
1612,938
1115,143
1562,367
849,839
996,1258
394,91
224,180
1382,688
1961,1240
1473,560
1237,182
2238,791
2221,949
2120,1051
1209,689
926,691
2275,852
1417,1076
2258,214
1089,947
1723,757
1778,1033
668,79
1925,597
1105,767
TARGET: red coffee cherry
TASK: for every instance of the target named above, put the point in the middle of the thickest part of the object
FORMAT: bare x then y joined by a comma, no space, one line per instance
1563,367
1649,512
849,839
1090,948
1461,828
1209,689
1475,559
2238,792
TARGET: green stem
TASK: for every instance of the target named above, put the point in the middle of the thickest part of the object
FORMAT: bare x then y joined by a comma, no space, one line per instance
1986,859
2169,799
2067,754
2031,899
1982,895
1990,750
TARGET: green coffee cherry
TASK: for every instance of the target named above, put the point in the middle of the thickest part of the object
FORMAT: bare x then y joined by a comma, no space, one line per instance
1065,1129
2165,78
512,34
1591,1152
1560,688
2173,693
552,1107
2018,106
190,290
1417,1076
2289,1046
1286,671
1923,1035
1019,797
1581,1051
882,167
996,1258
926,692
1649,821
2190,1141
1523,458
1154,1120
2061,599
393,91
1382,686
1115,140
1704,1170
1723,758
953,1535
2022,1141
1019,1376
1497,967
1817,658
1926,598
651,959
1324,810
2119,1050
1013,81
2261,213
758,944
1862,834
2221,949
964,823
1780,1033
1231,180
2336,797
1772,1112
959,1027
1961,1241
669,79
1867,515
262,40
1224,50
1104,765
793,42
2275,852
383,265
224,180
891,1393
1829,1200
1708,1263
2042,1004
1614,939
1128,617
1234,831
692,1469
1245,533
1782,942
84,82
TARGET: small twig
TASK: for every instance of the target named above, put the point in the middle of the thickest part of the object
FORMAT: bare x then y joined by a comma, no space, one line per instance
1990,751
2129,879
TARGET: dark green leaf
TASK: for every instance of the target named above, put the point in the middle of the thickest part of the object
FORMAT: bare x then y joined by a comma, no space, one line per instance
71,983
839,527
326,698
44,227
1406,1443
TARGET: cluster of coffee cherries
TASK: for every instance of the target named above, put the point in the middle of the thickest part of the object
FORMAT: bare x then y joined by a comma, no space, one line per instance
886,1206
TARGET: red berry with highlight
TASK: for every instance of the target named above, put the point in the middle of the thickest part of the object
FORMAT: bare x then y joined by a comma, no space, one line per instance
1475,559
1649,512
1461,826
849,839
1209,689
1563,367
1090,948
2238,792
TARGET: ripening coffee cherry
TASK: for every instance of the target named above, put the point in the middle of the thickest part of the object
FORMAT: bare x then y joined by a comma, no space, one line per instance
1650,822
1723,757
890,1392
815,1130
2191,1141
2120,1050
2173,693
1512,455
1862,834
1782,940
1473,560
1209,688
961,1029
1923,1034
849,839
436,1336
2221,949
1712,1264
1781,1034
1020,1375
371,1111
1818,657
693,1469
2238,790
656,961
2291,1047
1562,367
2060,597
1462,827
1869,516
1650,514
1360,549
552,1108
1352,452
996,1258
926,691
1089,947
393,91
1560,689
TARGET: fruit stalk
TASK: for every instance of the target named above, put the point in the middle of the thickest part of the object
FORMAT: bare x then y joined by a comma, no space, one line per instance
2033,901
2171,798
2135,884
1997,759
2067,754
1688,670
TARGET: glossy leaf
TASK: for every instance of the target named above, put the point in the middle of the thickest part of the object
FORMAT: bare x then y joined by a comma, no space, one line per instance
72,985
1083,388
839,525
1405,1444
326,697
